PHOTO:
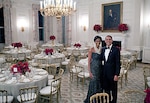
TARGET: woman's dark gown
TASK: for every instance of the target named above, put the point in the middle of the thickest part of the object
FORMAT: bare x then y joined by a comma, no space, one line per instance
95,82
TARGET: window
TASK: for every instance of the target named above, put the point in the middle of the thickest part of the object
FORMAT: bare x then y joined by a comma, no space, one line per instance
2,35
41,26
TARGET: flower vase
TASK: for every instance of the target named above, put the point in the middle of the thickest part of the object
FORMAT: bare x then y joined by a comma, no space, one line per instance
52,42
49,54
18,48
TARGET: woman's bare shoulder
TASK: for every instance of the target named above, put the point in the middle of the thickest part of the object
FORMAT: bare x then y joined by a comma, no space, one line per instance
91,49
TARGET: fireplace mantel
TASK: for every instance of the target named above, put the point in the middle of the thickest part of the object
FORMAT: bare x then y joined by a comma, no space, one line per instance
117,37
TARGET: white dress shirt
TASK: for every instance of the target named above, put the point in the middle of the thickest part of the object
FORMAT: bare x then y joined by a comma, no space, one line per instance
107,51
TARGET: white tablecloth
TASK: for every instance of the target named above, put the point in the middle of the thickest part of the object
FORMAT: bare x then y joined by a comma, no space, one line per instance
39,78
55,46
15,51
50,58
126,54
2,60
81,49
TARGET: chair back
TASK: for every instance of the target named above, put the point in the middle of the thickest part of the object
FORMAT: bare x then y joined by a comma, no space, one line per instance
134,96
61,72
3,96
29,94
146,74
51,69
55,86
99,98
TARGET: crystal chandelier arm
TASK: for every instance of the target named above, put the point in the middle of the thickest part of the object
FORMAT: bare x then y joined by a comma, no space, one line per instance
57,8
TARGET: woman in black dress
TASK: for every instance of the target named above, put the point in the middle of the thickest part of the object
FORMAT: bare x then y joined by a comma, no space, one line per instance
95,69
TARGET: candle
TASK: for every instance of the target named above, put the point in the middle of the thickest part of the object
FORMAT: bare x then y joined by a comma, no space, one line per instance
41,5
74,5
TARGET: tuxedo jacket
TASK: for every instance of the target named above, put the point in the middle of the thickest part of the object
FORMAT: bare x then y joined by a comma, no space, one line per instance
112,66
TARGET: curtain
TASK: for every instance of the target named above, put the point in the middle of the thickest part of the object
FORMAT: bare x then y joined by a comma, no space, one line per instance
7,21
35,8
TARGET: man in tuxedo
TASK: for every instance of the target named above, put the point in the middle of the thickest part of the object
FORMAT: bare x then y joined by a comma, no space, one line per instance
111,68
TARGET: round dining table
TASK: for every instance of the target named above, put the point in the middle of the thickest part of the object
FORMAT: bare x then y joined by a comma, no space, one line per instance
14,82
54,46
15,51
50,58
81,50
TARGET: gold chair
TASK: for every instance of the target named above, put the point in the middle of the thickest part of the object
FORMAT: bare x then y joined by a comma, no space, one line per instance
82,75
4,98
28,94
51,69
57,62
126,69
75,70
99,98
76,53
42,63
134,96
59,75
146,73
48,92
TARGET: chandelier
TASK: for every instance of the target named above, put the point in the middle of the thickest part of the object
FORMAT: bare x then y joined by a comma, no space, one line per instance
57,8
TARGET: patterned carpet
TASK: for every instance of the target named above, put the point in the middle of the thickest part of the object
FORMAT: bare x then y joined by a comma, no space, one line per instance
70,93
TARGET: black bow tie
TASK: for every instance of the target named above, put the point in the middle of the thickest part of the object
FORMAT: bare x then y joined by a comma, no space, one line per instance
108,47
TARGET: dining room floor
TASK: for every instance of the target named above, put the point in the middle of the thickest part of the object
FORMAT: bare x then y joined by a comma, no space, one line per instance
70,93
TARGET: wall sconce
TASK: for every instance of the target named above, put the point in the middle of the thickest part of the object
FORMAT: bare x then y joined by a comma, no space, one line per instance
84,22
22,29
22,24
84,28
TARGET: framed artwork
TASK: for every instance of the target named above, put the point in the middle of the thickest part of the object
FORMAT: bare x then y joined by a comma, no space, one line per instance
111,16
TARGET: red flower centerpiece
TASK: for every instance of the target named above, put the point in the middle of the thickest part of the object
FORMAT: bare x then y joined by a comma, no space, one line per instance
77,45
52,37
20,67
97,27
122,27
48,51
17,44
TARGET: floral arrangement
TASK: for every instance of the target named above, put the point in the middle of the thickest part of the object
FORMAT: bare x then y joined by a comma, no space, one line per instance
48,51
97,27
20,67
123,27
17,44
147,98
77,45
52,37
